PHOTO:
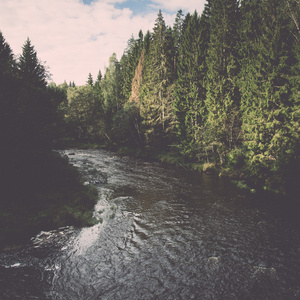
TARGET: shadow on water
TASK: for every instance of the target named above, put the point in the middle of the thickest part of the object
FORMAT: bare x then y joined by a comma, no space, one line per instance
162,233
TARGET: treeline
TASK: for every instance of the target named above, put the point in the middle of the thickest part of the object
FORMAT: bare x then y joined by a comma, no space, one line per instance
221,89
39,190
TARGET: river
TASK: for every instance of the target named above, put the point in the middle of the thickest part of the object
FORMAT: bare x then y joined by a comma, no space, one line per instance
163,233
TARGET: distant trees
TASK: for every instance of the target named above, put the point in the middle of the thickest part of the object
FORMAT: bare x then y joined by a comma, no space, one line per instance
84,115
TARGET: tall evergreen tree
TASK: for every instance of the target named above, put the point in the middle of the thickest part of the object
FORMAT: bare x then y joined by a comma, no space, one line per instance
157,103
30,68
111,87
36,110
177,32
190,90
222,98
90,80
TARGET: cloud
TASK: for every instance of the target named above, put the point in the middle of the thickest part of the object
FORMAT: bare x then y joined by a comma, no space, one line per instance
185,5
73,38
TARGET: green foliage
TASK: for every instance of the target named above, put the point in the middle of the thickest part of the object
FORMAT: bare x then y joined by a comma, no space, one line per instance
157,100
209,168
111,87
126,127
222,97
129,62
190,92
84,115
90,80
268,103
218,89
235,158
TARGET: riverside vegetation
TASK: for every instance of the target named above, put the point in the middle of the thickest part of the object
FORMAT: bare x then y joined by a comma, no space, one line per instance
218,92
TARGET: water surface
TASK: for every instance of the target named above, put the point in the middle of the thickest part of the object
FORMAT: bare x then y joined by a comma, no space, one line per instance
163,233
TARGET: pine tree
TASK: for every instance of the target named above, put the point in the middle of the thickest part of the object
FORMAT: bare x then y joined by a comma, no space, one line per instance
177,32
90,80
111,87
157,101
190,90
31,69
222,98
37,111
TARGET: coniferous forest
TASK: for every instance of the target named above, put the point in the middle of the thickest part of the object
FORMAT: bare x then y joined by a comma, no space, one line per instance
218,92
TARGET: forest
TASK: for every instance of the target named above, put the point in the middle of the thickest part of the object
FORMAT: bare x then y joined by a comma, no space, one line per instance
217,92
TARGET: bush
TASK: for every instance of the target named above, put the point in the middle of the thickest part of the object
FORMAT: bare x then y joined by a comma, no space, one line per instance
235,158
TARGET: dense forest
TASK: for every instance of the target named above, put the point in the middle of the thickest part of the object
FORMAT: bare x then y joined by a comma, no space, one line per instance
218,92
39,189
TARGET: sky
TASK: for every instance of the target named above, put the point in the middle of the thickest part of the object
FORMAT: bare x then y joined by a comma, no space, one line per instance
76,37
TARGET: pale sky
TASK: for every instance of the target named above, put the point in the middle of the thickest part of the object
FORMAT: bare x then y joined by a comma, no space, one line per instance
77,37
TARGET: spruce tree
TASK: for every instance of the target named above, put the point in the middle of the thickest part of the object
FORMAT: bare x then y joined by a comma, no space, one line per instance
31,69
37,111
177,32
190,91
90,80
111,88
222,98
157,102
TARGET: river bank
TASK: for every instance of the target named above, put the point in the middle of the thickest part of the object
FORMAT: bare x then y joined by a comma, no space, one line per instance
44,193
234,170
162,233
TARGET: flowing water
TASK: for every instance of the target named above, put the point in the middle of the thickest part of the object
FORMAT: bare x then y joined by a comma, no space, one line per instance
163,233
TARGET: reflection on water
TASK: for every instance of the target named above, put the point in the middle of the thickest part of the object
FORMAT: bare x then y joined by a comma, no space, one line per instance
163,233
